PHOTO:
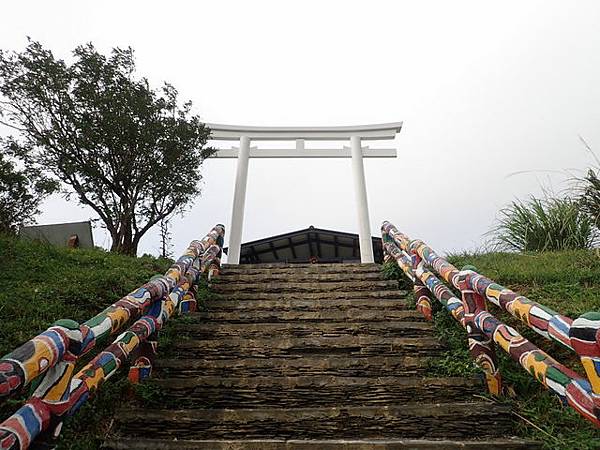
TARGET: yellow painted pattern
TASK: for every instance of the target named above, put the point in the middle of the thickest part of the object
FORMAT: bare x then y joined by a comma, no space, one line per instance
502,341
32,366
128,347
519,308
169,307
58,390
490,291
590,370
92,382
119,318
173,273
494,382
458,314
536,365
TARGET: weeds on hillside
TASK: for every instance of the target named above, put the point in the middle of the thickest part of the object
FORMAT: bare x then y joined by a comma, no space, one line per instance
554,223
391,271
589,195
43,283
547,224
89,427
456,361
568,282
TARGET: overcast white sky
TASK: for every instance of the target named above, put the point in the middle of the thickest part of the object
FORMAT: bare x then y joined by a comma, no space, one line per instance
485,89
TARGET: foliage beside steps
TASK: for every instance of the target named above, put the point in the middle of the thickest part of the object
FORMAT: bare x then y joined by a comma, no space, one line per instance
568,282
42,283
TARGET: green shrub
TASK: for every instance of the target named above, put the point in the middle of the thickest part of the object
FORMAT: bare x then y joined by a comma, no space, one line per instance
391,271
547,224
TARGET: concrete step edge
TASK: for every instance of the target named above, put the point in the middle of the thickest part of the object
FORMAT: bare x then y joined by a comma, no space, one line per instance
121,443
321,380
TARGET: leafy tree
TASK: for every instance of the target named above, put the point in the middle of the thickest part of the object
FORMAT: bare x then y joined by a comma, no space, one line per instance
21,192
131,153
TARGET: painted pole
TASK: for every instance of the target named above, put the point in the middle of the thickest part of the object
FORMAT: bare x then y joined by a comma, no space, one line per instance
360,189
239,201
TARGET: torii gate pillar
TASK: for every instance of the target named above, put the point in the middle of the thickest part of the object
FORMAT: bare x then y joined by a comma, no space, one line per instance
299,134
239,202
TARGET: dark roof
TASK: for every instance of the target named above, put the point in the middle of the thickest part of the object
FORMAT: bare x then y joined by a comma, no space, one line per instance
299,246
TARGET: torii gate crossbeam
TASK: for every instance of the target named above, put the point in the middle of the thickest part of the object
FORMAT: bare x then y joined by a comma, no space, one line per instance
354,134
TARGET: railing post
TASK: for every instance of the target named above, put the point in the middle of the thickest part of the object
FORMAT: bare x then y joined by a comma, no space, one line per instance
481,347
584,335
214,269
386,256
421,293
188,303
143,360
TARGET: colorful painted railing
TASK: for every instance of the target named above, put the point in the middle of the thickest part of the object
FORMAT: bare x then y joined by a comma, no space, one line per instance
48,361
582,335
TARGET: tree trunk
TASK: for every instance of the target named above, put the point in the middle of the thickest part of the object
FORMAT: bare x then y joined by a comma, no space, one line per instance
123,242
129,249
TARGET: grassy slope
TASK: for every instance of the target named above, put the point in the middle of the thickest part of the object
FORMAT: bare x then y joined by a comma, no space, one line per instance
41,284
568,282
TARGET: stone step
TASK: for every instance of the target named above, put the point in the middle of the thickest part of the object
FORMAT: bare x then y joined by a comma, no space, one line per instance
297,277
414,420
330,315
355,346
309,357
309,305
367,366
123,443
277,330
311,391
295,268
333,295
308,286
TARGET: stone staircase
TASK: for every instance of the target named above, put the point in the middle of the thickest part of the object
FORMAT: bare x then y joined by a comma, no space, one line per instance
310,357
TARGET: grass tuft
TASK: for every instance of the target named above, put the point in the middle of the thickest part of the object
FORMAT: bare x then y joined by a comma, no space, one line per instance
543,225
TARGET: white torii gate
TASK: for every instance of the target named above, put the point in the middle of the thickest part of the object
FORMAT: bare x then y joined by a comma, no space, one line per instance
355,134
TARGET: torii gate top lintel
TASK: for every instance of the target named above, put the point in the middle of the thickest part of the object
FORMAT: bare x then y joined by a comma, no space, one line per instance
336,133
353,134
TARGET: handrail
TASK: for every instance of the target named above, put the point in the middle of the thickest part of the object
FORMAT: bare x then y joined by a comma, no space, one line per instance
581,335
539,318
50,357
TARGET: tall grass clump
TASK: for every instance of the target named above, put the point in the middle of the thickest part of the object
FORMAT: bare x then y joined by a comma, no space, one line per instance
546,224
589,195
